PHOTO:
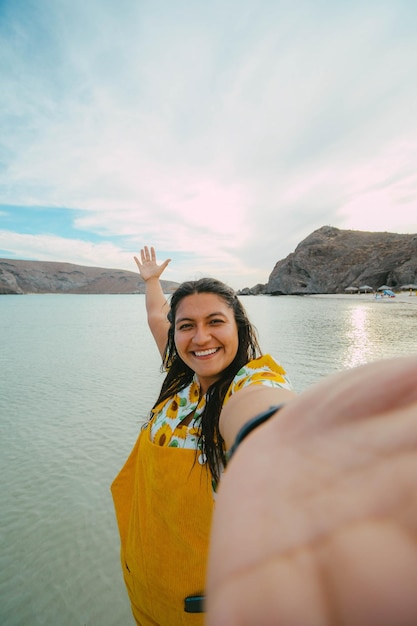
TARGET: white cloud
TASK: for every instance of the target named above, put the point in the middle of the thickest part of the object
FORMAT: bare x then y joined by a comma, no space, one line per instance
227,131
184,267
61,249
383,191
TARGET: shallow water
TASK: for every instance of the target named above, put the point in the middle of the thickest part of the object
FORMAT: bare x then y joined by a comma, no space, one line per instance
77,376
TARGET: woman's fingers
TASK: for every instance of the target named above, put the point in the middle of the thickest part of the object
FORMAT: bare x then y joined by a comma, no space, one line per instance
148,266
365,391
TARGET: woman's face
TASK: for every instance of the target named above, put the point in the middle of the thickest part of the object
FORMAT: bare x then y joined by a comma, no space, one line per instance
206,336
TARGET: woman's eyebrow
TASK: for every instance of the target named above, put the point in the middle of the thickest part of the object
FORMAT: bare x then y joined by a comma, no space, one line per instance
183,319
190,319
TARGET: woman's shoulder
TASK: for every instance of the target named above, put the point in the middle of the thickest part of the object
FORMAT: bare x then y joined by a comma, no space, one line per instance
262,363
264,370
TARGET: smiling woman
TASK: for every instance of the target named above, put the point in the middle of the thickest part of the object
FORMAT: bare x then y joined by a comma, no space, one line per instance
164,494
206,335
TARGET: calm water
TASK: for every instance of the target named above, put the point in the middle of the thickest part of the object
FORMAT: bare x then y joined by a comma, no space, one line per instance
77,375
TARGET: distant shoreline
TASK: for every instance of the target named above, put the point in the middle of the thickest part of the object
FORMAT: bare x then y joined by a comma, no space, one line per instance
404,297
399,297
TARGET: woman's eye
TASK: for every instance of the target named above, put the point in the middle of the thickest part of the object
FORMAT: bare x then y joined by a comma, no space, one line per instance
184,326
215,321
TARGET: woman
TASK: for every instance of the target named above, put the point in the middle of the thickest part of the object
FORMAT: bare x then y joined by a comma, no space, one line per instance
163,495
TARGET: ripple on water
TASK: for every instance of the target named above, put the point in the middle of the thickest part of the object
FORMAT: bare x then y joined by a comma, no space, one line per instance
78,375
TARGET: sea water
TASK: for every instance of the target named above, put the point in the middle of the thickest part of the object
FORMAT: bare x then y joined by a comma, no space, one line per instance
78,375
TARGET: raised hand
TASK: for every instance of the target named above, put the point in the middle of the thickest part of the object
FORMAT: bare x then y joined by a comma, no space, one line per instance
148,267
315,521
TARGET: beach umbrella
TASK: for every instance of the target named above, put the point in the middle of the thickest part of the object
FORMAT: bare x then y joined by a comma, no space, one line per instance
410,286
351,289
383,287
365,288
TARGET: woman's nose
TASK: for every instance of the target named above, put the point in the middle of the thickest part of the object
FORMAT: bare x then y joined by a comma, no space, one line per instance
202,334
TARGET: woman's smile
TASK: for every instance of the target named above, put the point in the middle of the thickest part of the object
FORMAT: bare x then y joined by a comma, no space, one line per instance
202,353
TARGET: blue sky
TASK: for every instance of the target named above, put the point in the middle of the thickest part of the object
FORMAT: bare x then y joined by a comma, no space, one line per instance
222,132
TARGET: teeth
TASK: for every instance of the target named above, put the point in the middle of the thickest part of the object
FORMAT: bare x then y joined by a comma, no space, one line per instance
206,352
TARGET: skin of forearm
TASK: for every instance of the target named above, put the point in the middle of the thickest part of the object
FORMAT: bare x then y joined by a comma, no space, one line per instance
247,403
156,303
157,309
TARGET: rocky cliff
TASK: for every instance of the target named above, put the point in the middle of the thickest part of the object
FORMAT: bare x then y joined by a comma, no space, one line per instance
19,277
331,260
327,261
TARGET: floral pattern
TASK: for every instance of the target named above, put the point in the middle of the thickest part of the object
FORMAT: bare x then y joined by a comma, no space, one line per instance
169,426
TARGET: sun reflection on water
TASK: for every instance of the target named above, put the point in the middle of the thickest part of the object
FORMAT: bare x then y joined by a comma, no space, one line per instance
358,336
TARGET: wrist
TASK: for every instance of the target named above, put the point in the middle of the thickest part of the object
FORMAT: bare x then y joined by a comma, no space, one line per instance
243,405
251,425
151,279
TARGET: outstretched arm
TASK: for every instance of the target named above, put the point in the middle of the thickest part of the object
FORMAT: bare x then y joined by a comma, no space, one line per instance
156,304
316,517
247,403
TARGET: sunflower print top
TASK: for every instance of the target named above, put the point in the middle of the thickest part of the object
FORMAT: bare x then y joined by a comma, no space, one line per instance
169,426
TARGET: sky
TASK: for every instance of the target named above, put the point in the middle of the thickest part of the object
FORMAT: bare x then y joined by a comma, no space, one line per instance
222,132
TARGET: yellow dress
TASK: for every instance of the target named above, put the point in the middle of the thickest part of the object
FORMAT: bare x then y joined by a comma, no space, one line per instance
163,500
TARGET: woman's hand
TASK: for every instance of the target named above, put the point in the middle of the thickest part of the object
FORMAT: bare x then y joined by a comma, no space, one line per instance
148,267
315,521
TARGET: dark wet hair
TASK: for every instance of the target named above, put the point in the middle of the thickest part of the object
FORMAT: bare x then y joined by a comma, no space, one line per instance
179,375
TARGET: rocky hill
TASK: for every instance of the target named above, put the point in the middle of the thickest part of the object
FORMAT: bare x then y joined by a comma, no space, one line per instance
19,277
327,261
331,260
